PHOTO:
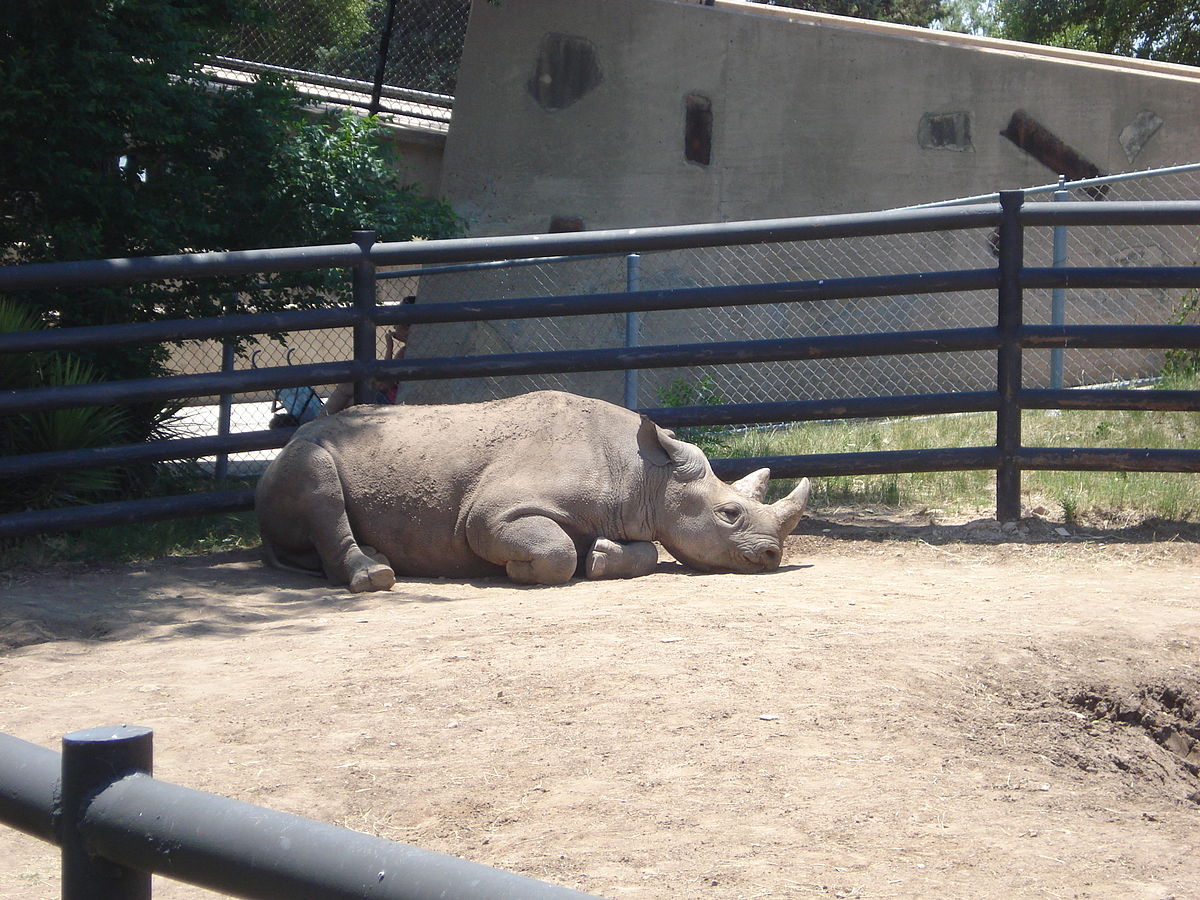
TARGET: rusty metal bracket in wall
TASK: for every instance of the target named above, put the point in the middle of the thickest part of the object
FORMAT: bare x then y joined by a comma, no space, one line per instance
1051,151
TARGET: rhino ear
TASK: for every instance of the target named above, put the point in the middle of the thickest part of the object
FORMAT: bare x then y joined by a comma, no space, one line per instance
689,460
754,485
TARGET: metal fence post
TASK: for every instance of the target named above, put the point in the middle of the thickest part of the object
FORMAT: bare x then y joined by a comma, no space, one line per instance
385,40
1008,362
225,409
633,282
92,760
1056,296
365,283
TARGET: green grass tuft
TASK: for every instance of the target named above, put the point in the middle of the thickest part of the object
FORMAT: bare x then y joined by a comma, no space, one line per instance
1074,495
133,543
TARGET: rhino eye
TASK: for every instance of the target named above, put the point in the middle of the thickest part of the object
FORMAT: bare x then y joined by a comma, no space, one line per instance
729,513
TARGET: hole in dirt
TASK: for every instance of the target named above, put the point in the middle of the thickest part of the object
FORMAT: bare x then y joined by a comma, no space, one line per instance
1170,716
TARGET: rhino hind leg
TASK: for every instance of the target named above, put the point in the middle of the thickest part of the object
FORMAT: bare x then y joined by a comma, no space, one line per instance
308,511
610,559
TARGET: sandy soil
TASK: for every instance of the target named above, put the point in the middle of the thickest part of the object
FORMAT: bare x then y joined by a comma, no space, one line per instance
902,710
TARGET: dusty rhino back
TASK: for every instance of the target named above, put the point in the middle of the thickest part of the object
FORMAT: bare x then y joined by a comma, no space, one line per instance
412,474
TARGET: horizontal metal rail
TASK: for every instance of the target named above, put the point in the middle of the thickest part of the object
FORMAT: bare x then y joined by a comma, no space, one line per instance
1111,277
819,410
1109,459
486,310
1063,184
150,451
811,290
140,390
1140,337
1101,399
622,240
731,414
125,512
28,787
47,339
670,356
1111,212
94,272
677,237
99,803
878,462
448,367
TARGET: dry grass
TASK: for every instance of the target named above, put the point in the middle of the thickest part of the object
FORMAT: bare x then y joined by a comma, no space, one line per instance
1106,496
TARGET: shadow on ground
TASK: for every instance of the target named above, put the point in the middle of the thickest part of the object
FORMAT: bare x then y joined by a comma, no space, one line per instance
858,525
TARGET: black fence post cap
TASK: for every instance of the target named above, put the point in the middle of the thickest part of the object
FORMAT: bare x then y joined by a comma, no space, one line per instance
108,734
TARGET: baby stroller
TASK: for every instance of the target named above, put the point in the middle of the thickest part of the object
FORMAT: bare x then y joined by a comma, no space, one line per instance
291,406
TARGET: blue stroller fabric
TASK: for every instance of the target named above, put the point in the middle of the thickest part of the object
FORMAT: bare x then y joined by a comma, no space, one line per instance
302,403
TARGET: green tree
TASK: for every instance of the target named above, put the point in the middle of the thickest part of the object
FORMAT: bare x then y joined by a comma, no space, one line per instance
1164,30
902,12
969,17
116,143
61,429
299,34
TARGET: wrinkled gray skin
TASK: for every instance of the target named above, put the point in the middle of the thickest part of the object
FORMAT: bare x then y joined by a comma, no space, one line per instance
542,486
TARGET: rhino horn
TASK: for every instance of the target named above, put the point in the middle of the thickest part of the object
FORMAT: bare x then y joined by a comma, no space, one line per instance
791,508
754,485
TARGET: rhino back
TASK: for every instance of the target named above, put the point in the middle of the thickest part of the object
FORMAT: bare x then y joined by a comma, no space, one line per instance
414,476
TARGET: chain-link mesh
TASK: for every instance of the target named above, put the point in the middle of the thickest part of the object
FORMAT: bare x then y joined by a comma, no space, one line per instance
1113,246
331,50
938,372
810,379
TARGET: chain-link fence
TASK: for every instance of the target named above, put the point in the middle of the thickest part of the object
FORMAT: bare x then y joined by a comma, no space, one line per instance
397,57
808,379
831,259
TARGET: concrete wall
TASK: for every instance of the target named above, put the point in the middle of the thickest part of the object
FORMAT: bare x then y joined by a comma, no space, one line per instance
577,114
810,114
420,155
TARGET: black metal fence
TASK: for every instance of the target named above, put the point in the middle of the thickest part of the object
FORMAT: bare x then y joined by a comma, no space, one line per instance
1008,338
117,826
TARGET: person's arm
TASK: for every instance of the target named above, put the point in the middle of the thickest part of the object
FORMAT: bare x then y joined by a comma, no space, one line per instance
397,342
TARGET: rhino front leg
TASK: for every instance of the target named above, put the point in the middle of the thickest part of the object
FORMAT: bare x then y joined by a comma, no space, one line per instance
610,559
532,549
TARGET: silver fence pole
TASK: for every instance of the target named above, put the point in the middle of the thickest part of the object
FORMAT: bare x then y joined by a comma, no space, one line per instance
633,282
225,409
1056,297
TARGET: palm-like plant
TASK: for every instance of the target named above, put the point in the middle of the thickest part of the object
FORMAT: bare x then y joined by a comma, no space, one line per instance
50,430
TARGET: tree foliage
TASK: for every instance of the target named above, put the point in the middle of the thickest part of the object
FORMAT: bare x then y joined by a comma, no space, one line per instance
1164,30
116,143
49,430
299,34
342,37
902,12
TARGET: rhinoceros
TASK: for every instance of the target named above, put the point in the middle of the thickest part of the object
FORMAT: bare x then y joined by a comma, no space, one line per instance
544,487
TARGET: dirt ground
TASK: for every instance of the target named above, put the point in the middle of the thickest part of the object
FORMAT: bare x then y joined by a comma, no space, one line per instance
904,709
